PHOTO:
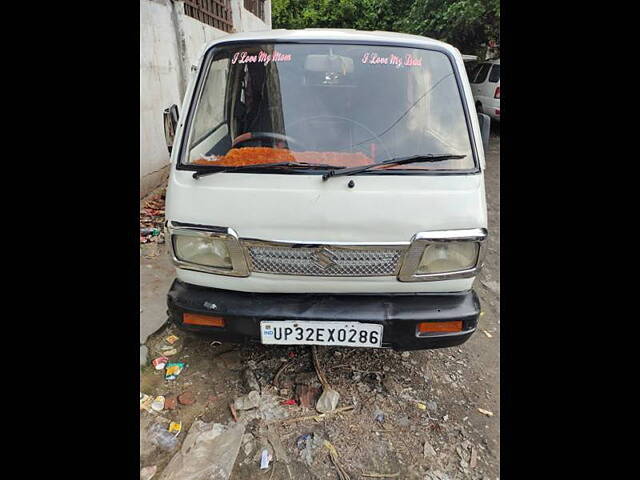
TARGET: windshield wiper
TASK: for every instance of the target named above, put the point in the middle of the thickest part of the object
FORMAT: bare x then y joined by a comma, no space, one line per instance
201,173
392,161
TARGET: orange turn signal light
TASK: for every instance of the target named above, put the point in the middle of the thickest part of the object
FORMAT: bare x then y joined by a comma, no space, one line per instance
208,320
451,326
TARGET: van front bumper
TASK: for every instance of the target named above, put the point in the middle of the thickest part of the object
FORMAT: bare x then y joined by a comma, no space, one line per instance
398,313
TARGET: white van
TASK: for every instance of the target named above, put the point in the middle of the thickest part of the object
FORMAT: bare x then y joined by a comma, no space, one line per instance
327,188
485,85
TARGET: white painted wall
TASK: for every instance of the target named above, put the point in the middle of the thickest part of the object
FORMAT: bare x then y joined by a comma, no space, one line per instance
170,42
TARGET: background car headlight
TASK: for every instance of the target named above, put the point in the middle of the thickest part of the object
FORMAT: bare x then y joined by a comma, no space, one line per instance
448,257
212,252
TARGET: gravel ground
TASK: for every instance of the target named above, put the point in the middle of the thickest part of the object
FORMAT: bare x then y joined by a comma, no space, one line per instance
416,415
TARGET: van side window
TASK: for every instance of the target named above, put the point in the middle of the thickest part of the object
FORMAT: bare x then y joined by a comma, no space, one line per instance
495,74
482,73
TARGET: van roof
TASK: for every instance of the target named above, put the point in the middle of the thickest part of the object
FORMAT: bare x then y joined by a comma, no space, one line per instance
333,34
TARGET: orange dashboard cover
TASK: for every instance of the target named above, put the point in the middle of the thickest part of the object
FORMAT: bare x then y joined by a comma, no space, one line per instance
237,157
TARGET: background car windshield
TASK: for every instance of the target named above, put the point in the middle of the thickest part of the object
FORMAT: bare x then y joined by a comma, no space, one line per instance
337,105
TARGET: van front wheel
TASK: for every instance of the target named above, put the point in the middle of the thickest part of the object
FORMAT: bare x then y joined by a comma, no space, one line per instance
478,107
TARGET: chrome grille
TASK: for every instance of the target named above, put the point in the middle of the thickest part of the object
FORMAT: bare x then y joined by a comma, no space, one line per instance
324,261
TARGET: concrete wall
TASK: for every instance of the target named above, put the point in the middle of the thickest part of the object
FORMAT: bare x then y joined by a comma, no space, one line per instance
170,42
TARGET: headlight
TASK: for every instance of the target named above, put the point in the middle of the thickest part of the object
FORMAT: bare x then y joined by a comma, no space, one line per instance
443,255
448,257
207,249
211,252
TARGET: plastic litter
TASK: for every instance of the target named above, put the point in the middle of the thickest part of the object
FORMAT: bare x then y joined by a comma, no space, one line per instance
160,436
329,399
421,406
170,352
158,403
301,441
291,401
485,412
171,339
173,370
249,379
160,362
175,428
265,458
145,401
209,451
247,402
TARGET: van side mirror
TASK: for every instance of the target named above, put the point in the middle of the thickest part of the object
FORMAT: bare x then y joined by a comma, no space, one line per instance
485,128
171,116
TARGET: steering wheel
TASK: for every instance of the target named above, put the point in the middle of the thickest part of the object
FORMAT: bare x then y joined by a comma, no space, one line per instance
246,137
375,135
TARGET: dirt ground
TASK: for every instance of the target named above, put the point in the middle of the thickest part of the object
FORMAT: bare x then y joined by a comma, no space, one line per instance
415,414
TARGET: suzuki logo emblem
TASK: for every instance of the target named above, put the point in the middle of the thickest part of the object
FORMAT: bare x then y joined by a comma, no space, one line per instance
323,258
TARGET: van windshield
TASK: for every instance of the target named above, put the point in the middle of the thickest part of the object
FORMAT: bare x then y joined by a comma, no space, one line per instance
328,105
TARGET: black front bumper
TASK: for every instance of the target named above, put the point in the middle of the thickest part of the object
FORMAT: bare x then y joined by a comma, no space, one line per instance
398,313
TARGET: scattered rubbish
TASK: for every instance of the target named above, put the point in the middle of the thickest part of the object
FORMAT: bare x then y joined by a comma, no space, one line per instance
171,339
215,343
380,475
175,427
278,448
474,457
315,417
302,440
158,403
247,402
405,354
329,399
481,314
428,451
149,231
145,402
485,412
160,362
147,473
487,333
379,417
421,406
186,398
170,352
161,437
333,454
208,451
173,370
170,403
293,354
445,418
265,458
249,379
291,401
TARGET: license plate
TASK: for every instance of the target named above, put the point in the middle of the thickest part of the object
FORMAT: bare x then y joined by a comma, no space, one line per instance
342,334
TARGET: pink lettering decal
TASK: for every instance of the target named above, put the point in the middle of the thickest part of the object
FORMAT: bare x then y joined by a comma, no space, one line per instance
261,57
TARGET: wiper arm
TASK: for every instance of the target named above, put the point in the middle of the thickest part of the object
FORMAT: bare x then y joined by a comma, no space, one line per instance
201,173
392,161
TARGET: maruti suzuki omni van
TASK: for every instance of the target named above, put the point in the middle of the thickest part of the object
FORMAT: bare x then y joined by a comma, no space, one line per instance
327,188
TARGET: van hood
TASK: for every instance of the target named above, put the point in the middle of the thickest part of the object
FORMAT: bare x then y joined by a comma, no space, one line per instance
293,207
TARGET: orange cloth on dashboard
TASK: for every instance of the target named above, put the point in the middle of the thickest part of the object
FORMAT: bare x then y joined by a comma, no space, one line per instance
258,155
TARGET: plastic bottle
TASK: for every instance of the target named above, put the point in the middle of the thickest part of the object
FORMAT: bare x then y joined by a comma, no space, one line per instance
160,436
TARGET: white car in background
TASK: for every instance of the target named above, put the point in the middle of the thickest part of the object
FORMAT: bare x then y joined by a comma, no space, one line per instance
484,78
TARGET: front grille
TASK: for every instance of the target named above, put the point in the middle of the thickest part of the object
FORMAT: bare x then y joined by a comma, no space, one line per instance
325,261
